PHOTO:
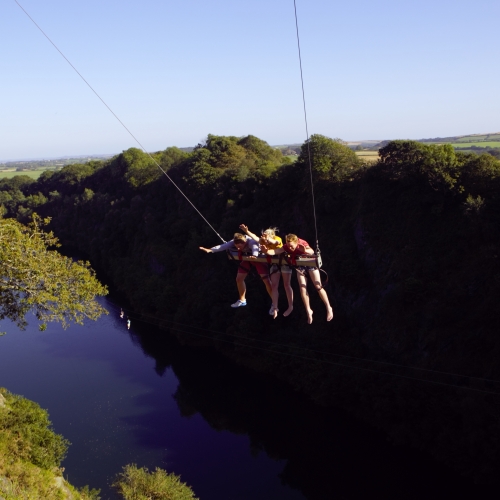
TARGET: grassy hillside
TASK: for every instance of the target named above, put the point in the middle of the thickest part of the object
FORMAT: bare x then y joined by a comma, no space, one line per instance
468,144
33,174
31,454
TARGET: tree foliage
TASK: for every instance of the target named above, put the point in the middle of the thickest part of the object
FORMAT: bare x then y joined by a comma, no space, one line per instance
32,436
330,159
141,168
136,483
410,244
35,278
31,454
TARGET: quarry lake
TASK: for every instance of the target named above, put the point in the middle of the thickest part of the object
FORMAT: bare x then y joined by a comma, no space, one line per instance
140,397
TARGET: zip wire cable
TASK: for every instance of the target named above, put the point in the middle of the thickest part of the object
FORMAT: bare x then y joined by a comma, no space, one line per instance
122,124
315,226
307,129
333,362
141,317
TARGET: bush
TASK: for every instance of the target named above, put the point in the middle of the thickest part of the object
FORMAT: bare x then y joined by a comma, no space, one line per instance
30,454
29,426
473,205
139,484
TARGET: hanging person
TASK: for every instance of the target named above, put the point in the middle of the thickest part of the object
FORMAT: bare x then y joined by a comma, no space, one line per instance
244,245
295,247
270,240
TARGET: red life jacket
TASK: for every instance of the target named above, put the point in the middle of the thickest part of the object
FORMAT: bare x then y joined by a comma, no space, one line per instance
295,253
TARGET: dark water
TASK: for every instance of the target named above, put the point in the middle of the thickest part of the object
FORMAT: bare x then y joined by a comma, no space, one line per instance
139,397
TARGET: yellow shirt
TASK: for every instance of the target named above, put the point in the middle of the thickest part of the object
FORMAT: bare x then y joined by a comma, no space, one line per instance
273,246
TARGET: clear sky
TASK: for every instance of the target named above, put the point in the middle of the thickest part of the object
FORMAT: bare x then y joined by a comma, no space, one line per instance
174,71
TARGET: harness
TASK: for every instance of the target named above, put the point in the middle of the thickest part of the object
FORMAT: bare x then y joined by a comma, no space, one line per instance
239,257
298,262
294,261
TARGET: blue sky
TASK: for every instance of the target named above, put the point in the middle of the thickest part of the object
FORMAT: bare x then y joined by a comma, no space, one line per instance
175,71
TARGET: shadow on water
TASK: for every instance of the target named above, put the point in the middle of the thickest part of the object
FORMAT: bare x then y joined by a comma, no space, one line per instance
229,432
327,453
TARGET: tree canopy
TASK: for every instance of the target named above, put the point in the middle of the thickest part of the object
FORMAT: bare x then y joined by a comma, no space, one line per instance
331,159
410,242
35,278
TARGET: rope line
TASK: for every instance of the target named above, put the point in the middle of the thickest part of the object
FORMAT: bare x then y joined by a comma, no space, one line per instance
333,362
317,245
278,344
307,129
121,123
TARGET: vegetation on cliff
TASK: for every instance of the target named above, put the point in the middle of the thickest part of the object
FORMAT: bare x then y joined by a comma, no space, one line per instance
31,454
137,483
410,244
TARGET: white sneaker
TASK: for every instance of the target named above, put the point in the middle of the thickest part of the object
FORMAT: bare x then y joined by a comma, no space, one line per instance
239,303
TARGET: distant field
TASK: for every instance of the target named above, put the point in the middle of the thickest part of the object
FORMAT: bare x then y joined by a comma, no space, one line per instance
34,174
371,156
482,144
475,138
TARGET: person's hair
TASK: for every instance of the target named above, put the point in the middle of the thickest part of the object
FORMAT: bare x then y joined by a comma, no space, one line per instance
271,232
239,238
291,237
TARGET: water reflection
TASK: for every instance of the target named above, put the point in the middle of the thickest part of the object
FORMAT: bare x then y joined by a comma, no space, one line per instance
327,454
102,393
138,396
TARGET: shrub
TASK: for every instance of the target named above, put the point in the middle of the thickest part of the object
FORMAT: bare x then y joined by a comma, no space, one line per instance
29,426
139,484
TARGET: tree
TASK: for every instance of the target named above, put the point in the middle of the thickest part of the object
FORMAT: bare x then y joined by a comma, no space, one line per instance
171,157
331,159
480,175
34,278
399,157
261,150
437,165
494,152
140,167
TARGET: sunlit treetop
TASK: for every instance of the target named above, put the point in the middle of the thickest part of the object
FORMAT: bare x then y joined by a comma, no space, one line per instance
36,278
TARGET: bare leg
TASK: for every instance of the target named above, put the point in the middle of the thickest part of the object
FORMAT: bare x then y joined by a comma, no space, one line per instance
275,281
240,283
287,283
267,283
316,279
305,296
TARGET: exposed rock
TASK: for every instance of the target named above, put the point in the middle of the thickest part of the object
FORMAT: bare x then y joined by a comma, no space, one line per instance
61,484
5,486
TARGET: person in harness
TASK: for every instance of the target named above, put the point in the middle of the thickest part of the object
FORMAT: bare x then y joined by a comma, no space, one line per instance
270,240
244,245
293,248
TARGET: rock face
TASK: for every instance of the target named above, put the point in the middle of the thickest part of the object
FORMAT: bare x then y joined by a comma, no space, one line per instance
5,487
2,401
60,484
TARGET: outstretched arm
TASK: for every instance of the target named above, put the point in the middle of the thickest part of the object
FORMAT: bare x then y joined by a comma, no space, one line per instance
247,231
219,248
